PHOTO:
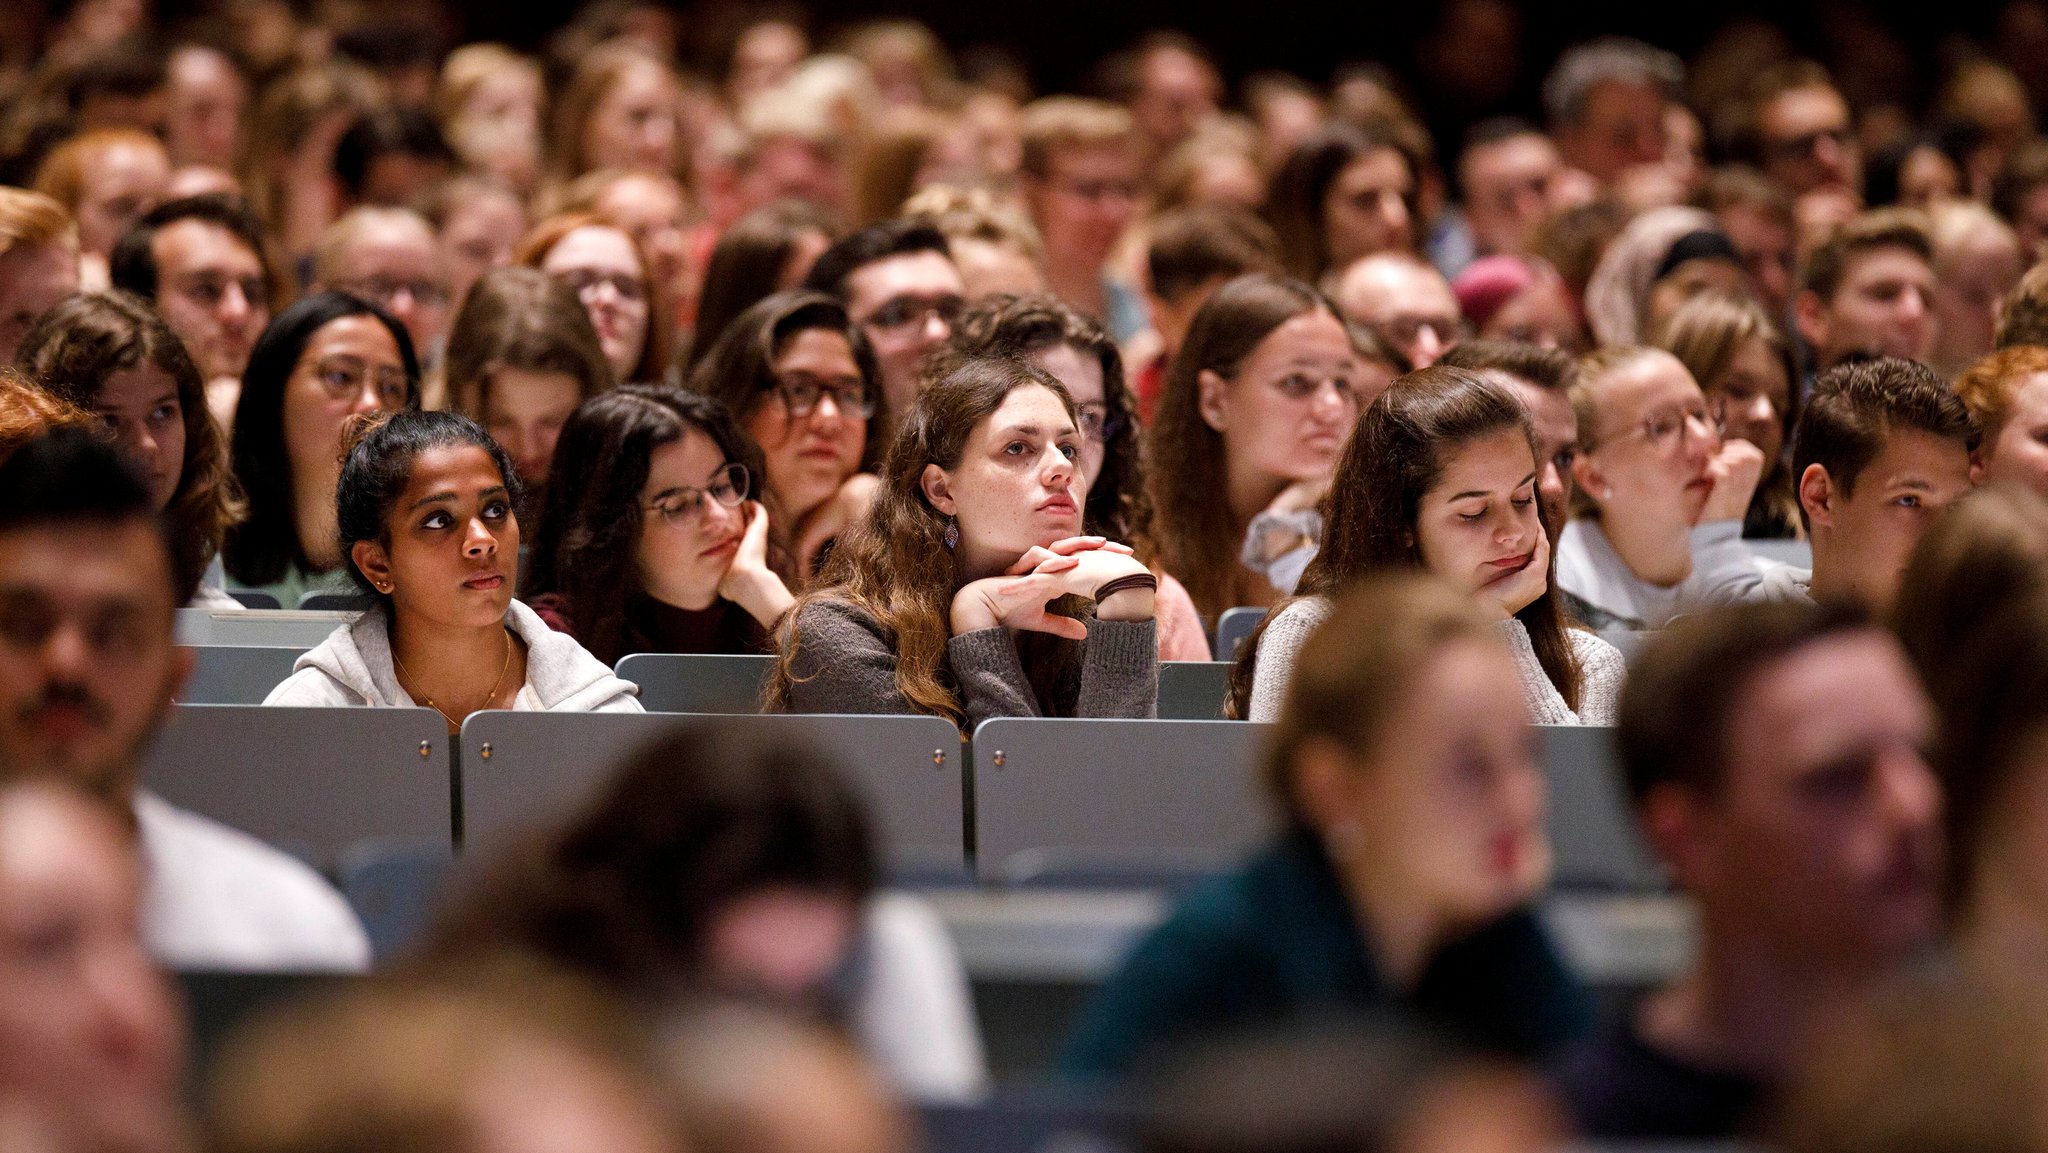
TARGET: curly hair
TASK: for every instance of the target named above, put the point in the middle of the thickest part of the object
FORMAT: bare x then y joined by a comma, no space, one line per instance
83,341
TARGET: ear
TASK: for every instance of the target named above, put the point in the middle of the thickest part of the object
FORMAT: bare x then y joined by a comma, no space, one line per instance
1213,399
1812,318
1977,467
938,489
1324,784
1673,820
375,562
1817,496
1586,474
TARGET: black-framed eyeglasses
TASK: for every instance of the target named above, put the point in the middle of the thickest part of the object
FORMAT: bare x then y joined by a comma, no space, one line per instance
904,311
1097,423
802,392
729,486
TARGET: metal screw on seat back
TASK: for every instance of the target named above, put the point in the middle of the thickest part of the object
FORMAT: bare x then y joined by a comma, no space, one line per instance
485,751
426,749
938,758
999,758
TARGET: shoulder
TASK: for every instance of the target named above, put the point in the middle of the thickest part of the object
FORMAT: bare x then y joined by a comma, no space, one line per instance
829,620
1597,657
1619,1088
563,674
218,898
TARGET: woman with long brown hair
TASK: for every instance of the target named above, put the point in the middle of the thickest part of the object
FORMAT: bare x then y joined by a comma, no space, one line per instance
626,303
110,354
1258,406
1441,476
959,594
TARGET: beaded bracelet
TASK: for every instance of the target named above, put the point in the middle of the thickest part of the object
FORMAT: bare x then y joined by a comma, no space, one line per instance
1136,580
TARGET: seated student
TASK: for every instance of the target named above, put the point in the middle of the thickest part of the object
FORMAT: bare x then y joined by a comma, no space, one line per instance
425,515
89,671
1665,257
769,250
801,379
1881,450
1402,299
1990,548
720,860
753,1079
1773,754
1442,476
1520,298
1257,409
1869,289
1081,355
1190,253
1745,368
91,1051
899,284
38,262
324,359
1542,379
1405,772
946,598
391,258
521,357
110,354
1660,497
662,545
630,312
2007,393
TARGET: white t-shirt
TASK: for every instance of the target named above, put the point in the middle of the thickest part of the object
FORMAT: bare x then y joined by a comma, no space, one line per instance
218,899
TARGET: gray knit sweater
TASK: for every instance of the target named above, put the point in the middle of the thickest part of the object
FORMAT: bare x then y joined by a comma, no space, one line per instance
844,665
1600,668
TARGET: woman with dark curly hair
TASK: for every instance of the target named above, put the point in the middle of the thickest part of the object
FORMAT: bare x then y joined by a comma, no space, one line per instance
1081,355
110,353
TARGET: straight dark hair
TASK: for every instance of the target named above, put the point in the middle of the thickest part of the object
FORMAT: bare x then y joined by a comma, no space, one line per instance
747,265
584,548
263,548
380,452
739,370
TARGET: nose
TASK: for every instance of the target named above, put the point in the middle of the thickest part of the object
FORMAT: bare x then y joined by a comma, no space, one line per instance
479,541
1427,348
937,329
828,410
717,517
66,654
369,399
1059,470
234,304
1394,211
1331,403
1912,798
1913,304
1761,410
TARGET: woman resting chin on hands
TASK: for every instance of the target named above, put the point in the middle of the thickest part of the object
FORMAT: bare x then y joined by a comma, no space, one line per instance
967,592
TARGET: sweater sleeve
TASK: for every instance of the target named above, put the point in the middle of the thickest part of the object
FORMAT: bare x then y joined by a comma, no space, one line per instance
990,676
1278,646
1546,704
1119,670
842,664
1601,672
1724,571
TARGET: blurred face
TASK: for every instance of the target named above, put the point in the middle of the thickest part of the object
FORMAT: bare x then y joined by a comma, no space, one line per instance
1883,305
525,414
906,304
350,366
1365,209
797,168
1765,245
203,108
1808,142
781,940
987,268
451,552
33,278
480,235
1016,484
810,453
1083,377
211,290
1557,445
1409,305
689,532
141,406
1752,396
1928,176
1873,529
1507,191
1822,842
1651,446
87,667
1969,289
1085,202
1290,409
1177,94
1478,526
1449,802
1689,280
90,1035
765,56
397,264
1622,127
651,210
1541,314
2018,454
120,184
634,124
601,265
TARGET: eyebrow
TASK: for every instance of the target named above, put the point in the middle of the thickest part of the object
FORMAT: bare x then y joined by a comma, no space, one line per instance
1035,430
1530,479
451,496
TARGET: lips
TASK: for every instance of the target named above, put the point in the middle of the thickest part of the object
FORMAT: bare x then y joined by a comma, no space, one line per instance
1062,504
485,582
1502,569
728,545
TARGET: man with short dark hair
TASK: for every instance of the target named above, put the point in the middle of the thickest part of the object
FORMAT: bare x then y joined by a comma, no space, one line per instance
1868,289
201,260
1542,378
1506,175
1774,757
1190,253
899,284
1799,131
1881,449
87,672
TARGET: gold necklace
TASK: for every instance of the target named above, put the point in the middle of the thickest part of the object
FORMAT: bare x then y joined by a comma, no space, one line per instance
454,723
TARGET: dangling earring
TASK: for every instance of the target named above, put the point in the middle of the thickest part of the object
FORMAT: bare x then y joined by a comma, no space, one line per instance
951,536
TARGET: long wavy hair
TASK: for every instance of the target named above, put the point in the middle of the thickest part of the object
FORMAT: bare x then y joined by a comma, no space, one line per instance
894,564
1022,326
86,339
585,548
1198,535
1399,452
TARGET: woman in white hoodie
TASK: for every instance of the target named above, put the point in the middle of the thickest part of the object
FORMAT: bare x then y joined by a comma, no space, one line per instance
425,507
